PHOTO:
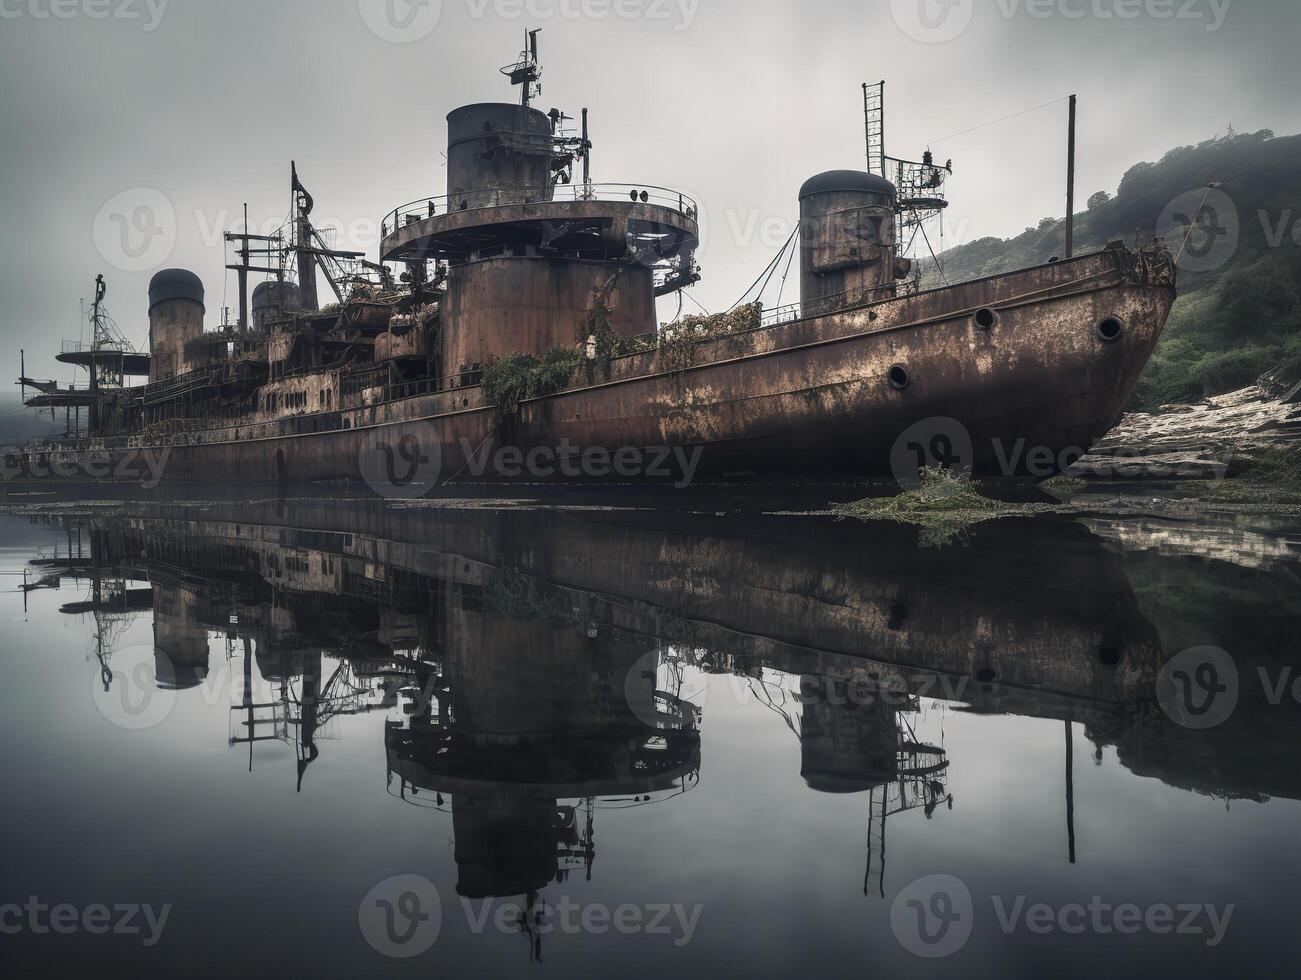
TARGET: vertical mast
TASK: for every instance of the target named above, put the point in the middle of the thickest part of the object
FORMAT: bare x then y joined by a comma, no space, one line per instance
245,251
96,317
1070,792
243,277
587,158
526,72
96,339
1070,184
531,63
303,240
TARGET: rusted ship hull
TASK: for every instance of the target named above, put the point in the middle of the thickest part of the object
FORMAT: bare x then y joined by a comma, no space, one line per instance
1012,374
816,396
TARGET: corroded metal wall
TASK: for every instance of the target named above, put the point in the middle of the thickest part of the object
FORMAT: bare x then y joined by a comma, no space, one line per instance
847,231
402,340
497,153
271,300
175,321
173,325
506,305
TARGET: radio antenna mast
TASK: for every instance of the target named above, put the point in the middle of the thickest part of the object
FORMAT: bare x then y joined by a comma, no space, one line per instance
527,71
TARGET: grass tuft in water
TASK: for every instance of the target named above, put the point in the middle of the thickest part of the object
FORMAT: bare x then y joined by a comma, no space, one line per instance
943,506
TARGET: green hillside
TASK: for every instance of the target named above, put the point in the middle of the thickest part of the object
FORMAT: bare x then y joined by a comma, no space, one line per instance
1239,310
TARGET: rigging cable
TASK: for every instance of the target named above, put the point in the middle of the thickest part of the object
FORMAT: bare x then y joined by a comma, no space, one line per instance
794,249
934,257
994,122
768,270
698,306
1193,223
912,238
764,288
679,312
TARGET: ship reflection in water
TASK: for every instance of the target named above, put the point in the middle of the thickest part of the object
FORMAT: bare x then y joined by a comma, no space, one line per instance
628,744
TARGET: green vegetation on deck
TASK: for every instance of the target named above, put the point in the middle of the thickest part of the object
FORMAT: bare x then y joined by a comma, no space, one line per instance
519,377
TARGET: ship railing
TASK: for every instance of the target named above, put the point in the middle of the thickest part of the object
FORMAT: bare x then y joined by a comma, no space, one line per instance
56,389
427,386
77,445
81,347
428,207
412,389
178,431
781,314
189,379
796,311
837,302
644,343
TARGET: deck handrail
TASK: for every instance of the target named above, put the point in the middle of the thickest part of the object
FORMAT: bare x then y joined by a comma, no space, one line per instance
427,207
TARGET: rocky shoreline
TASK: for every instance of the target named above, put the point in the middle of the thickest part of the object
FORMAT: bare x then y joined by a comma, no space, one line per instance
1226,435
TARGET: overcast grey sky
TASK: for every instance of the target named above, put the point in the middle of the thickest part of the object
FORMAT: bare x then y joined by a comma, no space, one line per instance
204,102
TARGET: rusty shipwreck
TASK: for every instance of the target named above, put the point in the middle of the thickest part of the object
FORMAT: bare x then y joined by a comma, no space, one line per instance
508,330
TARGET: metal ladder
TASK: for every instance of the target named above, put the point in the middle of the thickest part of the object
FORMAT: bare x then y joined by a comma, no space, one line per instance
874,120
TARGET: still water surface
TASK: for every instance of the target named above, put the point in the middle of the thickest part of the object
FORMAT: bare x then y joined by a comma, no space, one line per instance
329,740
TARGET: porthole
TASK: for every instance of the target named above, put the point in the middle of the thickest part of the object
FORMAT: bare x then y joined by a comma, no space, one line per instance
1110,330
1109,657
986,675
899,377
984,318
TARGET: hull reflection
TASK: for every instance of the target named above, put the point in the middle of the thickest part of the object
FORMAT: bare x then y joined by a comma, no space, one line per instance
536,667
